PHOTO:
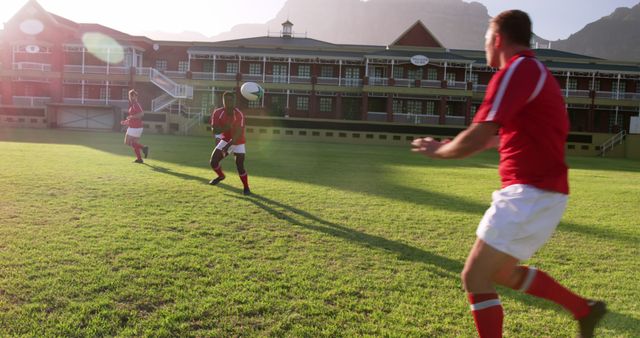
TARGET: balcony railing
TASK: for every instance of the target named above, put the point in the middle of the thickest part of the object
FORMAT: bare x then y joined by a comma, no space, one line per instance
430,83
43,67
416,118
175,74
300,79
576,93
92,69
378,81
31,101
377,116
328,81
404,83
252,77
351,82
124,104
201,76
457,84
276,79
226,76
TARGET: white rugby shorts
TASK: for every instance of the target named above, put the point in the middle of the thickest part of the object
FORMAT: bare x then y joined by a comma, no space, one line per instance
134,132
237,148
521,219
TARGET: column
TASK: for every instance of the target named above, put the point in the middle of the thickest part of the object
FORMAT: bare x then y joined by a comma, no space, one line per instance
442,109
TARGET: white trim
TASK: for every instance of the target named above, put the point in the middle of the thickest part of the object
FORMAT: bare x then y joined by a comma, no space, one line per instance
486,304
543,78
531,273
502,89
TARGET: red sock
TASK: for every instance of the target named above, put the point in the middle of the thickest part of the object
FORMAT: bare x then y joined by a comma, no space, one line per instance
245,180
218,171
538,283
136,148
487,313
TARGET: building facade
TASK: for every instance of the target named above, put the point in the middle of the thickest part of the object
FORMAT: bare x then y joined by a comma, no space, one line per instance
58,73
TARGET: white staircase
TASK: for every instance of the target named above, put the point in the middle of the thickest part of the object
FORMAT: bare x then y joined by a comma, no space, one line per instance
161,102
612,142
172,89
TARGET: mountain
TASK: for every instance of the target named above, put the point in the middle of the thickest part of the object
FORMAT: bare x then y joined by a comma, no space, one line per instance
455,23
615,37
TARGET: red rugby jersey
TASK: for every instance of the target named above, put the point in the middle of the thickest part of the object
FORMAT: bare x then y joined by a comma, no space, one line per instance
525,100
236,121
134,108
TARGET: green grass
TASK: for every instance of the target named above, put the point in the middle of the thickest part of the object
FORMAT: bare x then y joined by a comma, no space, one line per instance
338,240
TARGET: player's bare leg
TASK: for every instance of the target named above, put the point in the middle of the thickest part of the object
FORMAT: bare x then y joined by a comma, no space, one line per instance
216,156
244,177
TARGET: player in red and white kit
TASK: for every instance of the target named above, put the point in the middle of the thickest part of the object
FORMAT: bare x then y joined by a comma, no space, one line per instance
523,113
229,122
134,130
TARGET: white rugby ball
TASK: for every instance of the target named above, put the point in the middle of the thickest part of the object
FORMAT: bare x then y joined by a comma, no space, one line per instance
251,91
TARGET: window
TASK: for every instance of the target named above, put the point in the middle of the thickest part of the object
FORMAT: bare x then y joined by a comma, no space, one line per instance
326,71
207,66
183,66
414,74
125,93
431,108
304,71
432,74
397,107
414,107
451,78
255,69
352,76
84,91
376,72
104,93
614,123
622,87
472,113
231,68
594,86
161,65
302,103
474,79
572,84
449,110
398,73
326,104
280,73
254,104
206,102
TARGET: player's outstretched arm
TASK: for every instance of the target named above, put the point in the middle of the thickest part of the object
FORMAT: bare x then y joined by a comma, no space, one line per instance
478,137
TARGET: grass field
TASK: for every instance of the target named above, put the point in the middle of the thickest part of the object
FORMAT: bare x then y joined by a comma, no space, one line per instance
337,240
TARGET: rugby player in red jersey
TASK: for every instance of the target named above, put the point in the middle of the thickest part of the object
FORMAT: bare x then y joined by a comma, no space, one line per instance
524,115
134,130
230,123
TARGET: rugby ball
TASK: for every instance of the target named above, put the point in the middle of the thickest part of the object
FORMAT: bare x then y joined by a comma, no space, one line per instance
251,91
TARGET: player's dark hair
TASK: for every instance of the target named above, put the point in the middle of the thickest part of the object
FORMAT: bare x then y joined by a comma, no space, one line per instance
514,25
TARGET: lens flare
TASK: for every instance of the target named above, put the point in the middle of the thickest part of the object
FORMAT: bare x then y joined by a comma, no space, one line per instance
103,47
31,26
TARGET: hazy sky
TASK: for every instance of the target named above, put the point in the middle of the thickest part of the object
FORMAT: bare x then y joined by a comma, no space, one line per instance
552,19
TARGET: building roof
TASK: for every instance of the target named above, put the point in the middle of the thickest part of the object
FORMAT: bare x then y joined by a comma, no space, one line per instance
275,52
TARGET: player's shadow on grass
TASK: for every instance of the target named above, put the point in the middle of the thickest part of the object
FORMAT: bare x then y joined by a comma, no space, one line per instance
443,266
183,176
447,268
599,233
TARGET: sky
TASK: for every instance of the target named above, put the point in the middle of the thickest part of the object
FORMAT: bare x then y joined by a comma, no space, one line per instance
552,19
